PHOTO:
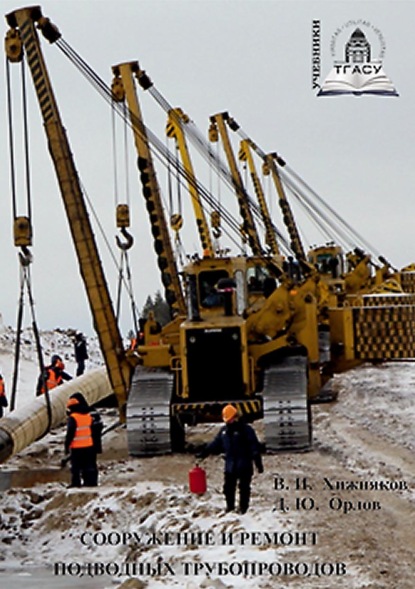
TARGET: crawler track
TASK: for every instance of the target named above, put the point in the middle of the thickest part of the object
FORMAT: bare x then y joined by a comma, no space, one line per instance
148,413
287,418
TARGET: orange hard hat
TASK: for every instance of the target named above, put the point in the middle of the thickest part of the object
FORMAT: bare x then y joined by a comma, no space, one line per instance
72,401
229,413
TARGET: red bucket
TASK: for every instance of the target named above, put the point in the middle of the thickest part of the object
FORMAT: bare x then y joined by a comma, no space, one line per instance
197,480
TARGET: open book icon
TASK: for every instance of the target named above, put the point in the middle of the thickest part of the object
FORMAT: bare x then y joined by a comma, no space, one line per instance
353,78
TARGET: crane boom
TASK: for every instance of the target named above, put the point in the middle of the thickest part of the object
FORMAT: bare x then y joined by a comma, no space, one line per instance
23,34
176,118
296,244
123,87
270,238
218,122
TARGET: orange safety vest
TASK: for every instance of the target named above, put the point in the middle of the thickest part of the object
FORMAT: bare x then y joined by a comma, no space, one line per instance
52,380
83,433
2,388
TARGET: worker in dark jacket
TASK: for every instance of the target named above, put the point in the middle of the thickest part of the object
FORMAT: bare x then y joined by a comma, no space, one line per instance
238,441
81,352
53,375
83,441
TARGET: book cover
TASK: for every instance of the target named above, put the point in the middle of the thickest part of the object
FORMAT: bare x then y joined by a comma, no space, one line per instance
327,88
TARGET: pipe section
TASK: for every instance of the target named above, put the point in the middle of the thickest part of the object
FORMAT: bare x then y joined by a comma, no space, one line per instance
24,426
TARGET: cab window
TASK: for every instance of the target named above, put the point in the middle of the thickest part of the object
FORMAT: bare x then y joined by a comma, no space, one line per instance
209,295
256,275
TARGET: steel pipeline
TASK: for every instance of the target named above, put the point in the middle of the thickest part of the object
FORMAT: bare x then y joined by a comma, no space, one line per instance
27,424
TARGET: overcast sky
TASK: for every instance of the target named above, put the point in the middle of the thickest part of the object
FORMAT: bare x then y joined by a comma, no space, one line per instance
252,58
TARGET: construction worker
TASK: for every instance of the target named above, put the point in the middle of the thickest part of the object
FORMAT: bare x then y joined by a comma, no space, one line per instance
3,398
238,441
83,441
81,352
53,375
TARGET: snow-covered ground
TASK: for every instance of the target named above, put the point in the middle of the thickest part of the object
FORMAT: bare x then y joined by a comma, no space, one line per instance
341,515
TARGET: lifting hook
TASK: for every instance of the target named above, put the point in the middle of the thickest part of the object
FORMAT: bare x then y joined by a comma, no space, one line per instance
25,256
129,240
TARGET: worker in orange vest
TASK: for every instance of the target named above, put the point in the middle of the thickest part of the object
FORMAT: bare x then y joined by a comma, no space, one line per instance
53,375
138,339
83,441
133,343
3,398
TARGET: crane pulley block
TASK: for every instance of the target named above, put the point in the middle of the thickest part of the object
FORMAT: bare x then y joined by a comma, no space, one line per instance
266,170
49,30
280,161
213,132
14,46
143,79
123,216
215,219
176,222
22,231
233,125
117,89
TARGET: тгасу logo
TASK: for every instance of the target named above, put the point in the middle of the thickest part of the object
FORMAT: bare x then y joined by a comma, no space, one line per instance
357,49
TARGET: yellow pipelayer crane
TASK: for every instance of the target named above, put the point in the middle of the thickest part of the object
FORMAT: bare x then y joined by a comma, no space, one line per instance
214,362
22,39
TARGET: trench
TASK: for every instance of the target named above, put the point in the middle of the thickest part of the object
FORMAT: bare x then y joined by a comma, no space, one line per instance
24,479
